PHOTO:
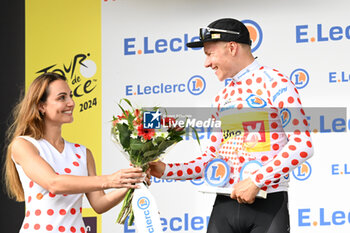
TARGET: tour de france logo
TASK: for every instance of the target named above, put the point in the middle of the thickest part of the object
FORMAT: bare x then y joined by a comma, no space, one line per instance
143,203
81,74
217,173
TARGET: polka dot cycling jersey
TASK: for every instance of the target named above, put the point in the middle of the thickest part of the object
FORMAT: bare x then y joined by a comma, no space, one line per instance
47,212
262,120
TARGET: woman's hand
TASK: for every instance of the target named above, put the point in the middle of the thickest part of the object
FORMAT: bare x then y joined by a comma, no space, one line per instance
148,177
126,178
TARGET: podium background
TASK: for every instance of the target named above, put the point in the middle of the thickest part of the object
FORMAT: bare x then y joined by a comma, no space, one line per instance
129,46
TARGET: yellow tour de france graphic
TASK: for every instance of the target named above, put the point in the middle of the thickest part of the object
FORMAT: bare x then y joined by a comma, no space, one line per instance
65,37
253,126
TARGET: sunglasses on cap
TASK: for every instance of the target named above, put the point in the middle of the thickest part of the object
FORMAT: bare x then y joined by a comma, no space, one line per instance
206,32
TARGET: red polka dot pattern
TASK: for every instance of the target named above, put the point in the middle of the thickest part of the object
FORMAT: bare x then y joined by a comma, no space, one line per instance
50,212
288,145
49,227
73,211
46,211
62,212
67,170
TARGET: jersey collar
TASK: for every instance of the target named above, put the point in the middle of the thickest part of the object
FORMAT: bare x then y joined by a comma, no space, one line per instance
253,66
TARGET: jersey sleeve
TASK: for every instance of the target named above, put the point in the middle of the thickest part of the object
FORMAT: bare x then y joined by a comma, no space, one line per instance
299,147
194,168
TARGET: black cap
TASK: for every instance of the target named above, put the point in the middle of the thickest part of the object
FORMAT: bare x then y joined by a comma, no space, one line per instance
236,31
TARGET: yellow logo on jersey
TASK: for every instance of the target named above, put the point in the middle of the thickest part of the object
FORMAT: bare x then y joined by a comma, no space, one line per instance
255,128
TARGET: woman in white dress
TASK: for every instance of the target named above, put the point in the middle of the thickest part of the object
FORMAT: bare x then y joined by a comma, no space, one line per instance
50,174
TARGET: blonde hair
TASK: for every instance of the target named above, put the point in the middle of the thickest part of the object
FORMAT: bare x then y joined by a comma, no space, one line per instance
27,121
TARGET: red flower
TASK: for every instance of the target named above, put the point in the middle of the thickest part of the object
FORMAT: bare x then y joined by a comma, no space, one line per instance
137,112
123,116
145,133
137,121
115,122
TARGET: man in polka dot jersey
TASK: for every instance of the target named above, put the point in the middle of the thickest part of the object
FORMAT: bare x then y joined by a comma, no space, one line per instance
280,140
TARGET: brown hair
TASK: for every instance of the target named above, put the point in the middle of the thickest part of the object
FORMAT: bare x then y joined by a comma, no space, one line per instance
27,121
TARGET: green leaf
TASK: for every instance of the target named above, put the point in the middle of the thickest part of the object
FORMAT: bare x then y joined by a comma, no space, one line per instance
124,135
159,140
126,100
151,153
136,144
148,146
177,138
130,119
122,109
165,144
197,137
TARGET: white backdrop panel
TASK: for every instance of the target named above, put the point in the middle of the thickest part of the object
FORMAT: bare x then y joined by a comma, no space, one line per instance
318,203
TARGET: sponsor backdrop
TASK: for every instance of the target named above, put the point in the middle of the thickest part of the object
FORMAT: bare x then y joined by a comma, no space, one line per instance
135,49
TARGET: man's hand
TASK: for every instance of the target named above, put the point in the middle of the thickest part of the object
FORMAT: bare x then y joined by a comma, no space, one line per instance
245,191
157,168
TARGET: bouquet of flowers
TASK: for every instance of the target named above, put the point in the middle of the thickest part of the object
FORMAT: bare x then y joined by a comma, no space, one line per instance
141,145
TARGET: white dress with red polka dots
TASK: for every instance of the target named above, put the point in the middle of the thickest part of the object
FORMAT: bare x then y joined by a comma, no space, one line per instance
47,212
282,144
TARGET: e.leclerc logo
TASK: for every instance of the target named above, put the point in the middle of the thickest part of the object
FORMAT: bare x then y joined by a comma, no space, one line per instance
256,34
143,203
217,173
148,45
195,86
285,117
133,45
320,33
302,172
300,78
339,77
